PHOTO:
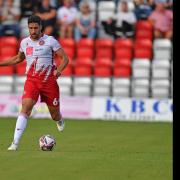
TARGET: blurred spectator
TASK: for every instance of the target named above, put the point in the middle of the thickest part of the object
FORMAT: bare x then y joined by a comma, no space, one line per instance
151,3
66,19
162,20
169,4
10,15
48,16
122,24
27,8
142,10
85,23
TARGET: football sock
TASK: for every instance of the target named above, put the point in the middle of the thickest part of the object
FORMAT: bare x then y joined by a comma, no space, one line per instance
20,127
60,120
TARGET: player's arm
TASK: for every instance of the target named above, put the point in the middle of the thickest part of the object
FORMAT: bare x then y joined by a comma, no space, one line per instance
65,60
13,60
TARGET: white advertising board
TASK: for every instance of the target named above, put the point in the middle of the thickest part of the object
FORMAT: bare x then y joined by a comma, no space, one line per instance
132,109
105,108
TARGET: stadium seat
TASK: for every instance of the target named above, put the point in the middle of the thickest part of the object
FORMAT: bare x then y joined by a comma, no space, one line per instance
83,68
160,88
104,47
68,43
5,57
8,50
123,43
144,25
82,80
21,68
10,41
6,83
85,53
70,52
105,15
57,60
142,53
123,53
122,68
144,34
102,86
121,87
103,60
140,88
83,59
69,46
101,53
7,70
103,67
68,71
160,69
65,84
143,44
19,83
106,6
162,49
82,86
106,10
104,43
162,43
141,68
85,43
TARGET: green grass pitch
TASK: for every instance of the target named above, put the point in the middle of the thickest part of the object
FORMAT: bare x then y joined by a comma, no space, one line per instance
88,150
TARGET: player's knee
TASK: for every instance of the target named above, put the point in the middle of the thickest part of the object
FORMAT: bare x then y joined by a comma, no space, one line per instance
56,116
26,110
27,113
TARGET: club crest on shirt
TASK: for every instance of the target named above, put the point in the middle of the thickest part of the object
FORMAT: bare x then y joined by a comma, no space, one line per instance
41,42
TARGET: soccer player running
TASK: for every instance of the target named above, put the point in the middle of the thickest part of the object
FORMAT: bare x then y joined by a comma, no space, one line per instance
38,49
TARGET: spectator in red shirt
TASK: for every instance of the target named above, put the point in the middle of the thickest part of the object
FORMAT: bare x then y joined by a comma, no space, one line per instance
162,20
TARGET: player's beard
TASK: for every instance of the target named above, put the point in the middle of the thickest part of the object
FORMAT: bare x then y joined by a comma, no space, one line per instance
36,36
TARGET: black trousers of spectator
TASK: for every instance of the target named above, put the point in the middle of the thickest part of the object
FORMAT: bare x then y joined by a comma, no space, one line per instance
126,30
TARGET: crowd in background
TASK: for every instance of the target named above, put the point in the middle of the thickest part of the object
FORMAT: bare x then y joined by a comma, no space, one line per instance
74,18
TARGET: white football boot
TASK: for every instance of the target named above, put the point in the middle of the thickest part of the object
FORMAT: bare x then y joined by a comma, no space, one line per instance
60,125
13,147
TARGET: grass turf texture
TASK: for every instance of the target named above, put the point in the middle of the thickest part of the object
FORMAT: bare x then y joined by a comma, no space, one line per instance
88,150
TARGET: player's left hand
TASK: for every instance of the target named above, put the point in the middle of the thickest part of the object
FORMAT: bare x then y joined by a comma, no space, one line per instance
56,73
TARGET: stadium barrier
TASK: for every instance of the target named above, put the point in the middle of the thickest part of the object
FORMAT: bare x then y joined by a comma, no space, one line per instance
105,108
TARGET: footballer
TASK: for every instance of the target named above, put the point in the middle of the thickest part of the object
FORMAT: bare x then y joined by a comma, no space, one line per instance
38,49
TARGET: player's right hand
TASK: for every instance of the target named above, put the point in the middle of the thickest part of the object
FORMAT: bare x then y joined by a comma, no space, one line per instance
57,73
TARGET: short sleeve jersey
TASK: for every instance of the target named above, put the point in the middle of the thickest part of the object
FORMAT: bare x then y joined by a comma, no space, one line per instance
39,52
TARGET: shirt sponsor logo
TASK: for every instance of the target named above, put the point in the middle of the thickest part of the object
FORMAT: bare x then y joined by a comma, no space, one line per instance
29,50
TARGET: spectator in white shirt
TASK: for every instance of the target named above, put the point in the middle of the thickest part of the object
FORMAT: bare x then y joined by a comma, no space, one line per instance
85,23
122,24
10,15
66,19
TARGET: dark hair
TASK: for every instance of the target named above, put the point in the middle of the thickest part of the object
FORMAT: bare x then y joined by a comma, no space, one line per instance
34,19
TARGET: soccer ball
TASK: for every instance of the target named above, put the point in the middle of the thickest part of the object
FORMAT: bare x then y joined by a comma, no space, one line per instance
47,142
